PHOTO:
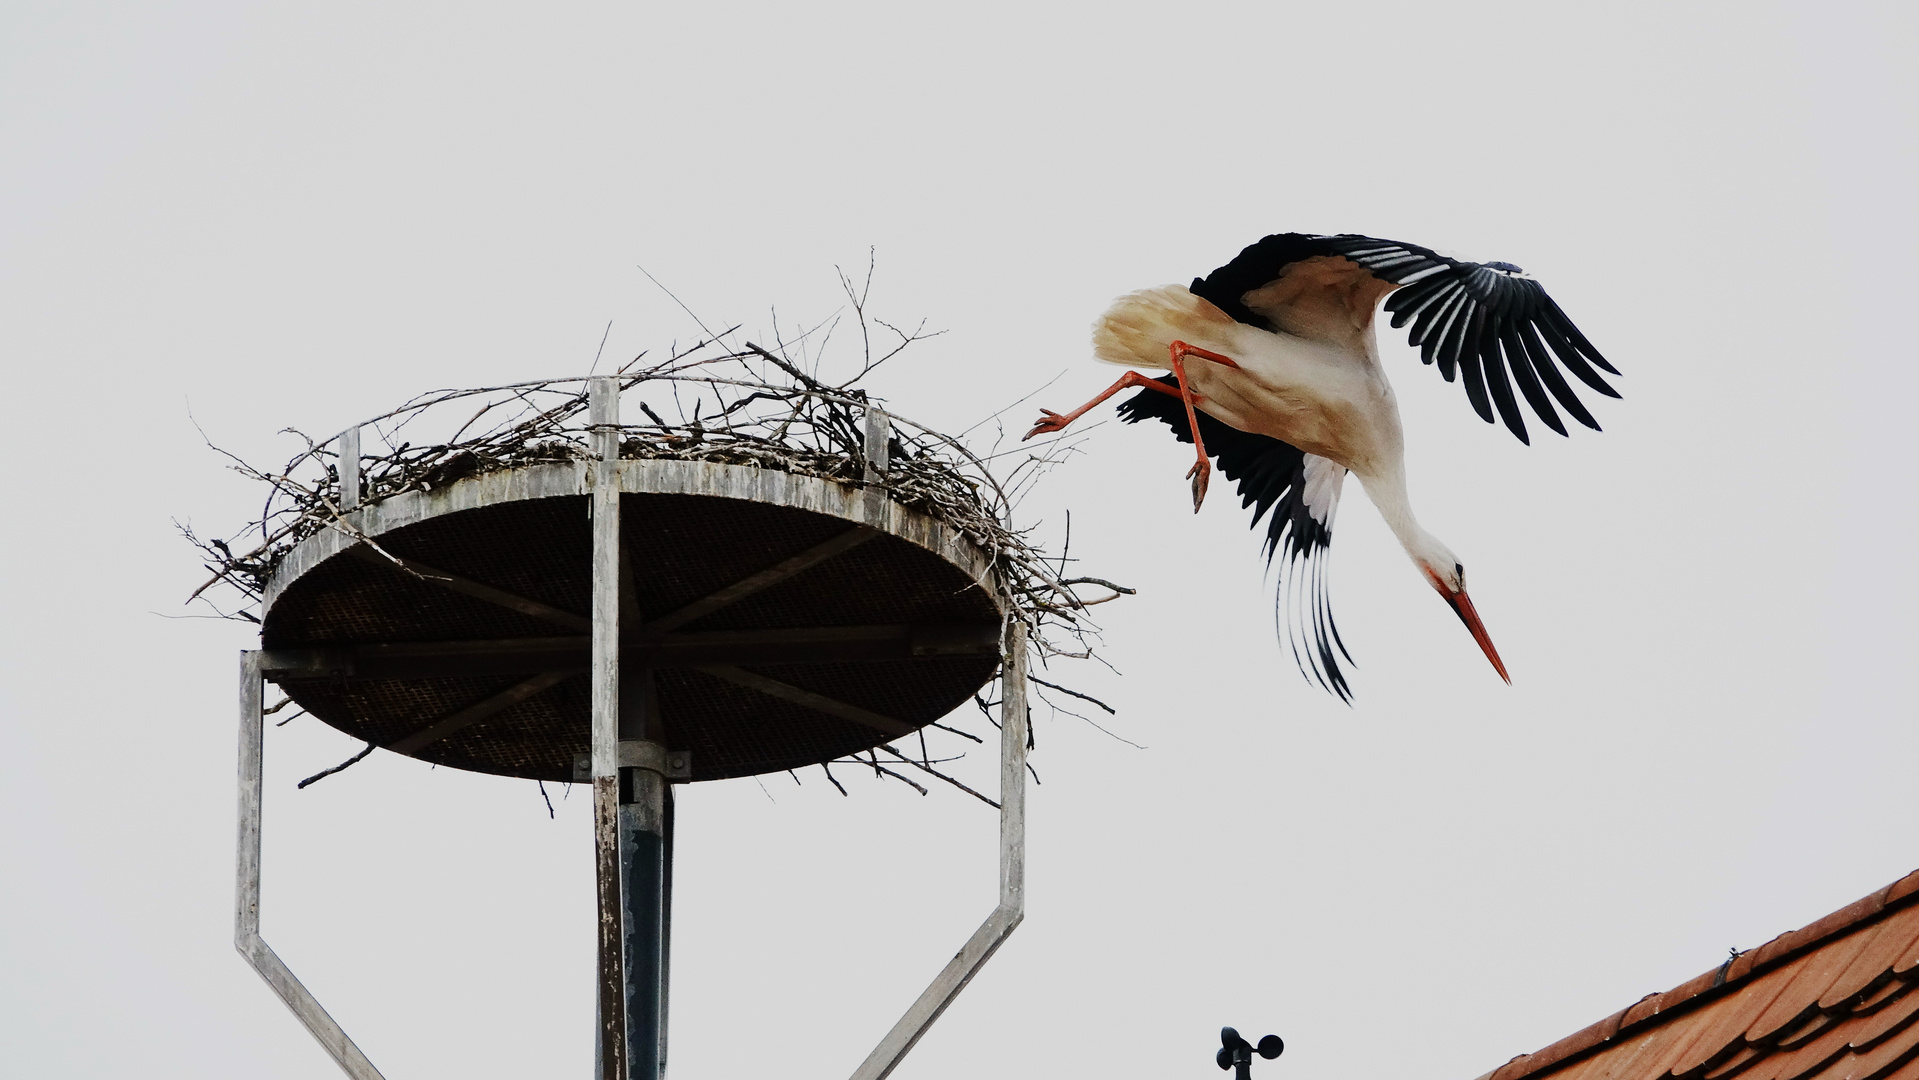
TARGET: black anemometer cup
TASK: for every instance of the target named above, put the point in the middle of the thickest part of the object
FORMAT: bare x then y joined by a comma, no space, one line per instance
1236,1053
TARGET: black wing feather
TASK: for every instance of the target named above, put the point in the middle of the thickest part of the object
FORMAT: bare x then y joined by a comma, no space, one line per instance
1431,320
1481,319
1500,385
1549,374
1452,323
1578,338
1554,334
1522,367
1417,298
1271,476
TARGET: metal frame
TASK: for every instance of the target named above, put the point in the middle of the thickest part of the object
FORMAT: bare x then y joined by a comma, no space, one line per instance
1012,876
616,826
891,1050
246,903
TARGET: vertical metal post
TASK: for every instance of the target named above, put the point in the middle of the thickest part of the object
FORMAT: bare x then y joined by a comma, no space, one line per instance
879,432
604,415
349,468
246,899
1012,774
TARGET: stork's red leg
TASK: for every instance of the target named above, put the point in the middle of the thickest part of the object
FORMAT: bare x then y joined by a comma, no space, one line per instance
1202,470
1050,421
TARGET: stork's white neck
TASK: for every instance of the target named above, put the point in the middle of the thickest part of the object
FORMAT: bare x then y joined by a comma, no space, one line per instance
1387,490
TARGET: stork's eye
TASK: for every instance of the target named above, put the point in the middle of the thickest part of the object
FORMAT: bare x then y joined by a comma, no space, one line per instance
1459,571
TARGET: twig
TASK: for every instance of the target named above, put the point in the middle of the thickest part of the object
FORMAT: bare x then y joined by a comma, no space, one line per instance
347,764
881,770
956,731
934,772
597,353
1110,711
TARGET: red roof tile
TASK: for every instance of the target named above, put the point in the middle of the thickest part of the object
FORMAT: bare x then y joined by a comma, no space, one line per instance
1836,1000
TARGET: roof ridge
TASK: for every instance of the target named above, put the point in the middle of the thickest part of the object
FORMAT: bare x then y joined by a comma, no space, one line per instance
1711,984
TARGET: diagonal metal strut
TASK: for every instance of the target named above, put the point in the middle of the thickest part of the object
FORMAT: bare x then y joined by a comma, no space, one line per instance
706,605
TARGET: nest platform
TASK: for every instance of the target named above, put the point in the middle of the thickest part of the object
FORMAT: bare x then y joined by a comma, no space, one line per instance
776,620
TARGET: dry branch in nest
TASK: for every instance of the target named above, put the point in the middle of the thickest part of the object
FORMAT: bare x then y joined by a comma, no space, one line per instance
724,400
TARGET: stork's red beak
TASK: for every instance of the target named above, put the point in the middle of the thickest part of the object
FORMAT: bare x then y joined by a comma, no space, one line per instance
1462,606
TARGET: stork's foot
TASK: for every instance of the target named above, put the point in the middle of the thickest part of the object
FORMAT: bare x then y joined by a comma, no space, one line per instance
1202,469
1049,422
1201,472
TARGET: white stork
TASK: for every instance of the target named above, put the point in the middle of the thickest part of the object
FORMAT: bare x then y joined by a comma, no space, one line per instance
1275,364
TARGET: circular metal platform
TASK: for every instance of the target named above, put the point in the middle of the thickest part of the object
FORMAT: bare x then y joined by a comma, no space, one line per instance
768,620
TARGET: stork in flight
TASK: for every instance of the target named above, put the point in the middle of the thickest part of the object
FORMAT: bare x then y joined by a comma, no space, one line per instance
1275,372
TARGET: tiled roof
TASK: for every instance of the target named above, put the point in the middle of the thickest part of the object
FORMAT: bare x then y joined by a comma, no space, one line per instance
1837,1000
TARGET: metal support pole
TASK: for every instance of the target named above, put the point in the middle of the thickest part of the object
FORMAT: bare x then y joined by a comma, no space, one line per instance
646,824
1012,875
604,415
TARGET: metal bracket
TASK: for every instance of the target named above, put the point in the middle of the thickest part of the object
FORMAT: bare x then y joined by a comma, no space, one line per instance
640,754
246,903
1012,876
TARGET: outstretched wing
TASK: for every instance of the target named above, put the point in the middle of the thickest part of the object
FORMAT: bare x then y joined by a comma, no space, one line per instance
1297,493
1489,324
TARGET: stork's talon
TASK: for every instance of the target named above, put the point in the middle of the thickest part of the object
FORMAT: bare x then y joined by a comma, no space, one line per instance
1199,474
1049,422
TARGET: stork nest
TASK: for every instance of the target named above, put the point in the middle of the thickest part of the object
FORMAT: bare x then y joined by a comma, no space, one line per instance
727,410
739,404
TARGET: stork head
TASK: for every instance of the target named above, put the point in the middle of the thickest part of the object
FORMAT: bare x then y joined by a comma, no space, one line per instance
1448,577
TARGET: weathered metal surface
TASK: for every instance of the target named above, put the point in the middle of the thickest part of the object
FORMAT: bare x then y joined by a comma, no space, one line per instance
493,586
879,432
604,403
246,903
350,469
642,754
606,871
985,941
1013,738
246,913
675,765
644,477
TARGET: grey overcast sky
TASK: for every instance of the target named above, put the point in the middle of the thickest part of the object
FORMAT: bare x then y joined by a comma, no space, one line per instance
274,215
